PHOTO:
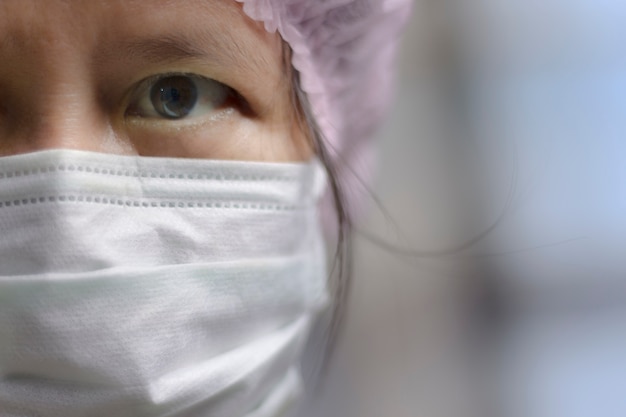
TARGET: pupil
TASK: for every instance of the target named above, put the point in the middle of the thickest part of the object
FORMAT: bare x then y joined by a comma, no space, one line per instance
174,97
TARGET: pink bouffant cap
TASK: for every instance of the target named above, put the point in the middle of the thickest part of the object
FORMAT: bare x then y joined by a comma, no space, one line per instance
344,51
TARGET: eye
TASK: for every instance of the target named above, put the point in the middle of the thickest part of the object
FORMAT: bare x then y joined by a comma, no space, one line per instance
177,96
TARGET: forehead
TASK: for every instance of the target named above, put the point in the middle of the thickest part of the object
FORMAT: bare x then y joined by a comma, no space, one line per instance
217,26
116,11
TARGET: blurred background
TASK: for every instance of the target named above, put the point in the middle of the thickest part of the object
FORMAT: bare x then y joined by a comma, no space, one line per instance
510,118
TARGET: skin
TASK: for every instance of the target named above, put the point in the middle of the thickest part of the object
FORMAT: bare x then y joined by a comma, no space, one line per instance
73,71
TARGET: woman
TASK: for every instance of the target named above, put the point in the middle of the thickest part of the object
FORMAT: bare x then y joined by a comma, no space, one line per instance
161,253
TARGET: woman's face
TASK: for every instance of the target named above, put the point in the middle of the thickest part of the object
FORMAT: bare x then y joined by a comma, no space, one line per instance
193,78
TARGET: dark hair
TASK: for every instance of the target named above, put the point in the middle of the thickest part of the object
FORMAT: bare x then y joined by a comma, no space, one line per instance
340,273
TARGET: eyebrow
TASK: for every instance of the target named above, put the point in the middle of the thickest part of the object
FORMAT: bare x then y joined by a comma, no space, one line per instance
223,50
167,48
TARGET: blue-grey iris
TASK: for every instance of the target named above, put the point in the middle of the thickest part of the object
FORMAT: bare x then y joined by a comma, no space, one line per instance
174,97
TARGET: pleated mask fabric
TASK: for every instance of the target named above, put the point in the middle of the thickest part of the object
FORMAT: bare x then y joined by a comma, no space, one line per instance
137,286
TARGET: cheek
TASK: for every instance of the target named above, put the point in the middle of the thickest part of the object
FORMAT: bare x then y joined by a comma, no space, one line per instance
229,136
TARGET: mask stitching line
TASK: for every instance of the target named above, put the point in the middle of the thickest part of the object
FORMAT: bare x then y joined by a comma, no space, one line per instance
140,174
132,203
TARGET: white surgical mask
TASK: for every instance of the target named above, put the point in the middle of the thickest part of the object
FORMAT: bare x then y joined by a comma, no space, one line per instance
134,286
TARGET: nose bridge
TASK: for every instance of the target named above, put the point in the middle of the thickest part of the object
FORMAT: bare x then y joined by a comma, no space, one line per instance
68,122
56,100
64,117
62,110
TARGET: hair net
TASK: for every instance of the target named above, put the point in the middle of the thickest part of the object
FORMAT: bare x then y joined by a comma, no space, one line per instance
344,51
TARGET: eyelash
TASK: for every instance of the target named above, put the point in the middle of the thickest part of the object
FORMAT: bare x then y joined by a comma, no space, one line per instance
167,102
